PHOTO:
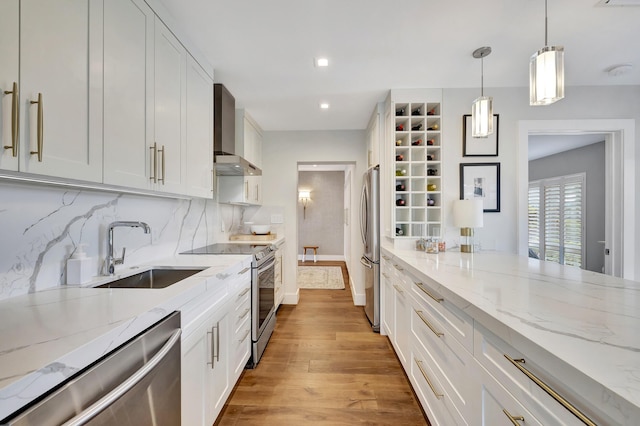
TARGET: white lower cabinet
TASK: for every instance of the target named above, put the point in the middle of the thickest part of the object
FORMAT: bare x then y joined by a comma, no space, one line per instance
216,346
205,360
279,277
387,316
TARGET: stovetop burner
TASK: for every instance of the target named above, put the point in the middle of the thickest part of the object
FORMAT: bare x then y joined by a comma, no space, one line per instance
258,250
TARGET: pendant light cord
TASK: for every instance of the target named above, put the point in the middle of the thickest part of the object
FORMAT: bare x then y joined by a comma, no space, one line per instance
546,25
482,76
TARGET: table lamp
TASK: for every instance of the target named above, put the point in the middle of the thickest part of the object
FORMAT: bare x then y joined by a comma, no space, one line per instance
467,214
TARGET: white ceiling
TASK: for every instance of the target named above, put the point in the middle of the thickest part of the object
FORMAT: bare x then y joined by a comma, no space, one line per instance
263,50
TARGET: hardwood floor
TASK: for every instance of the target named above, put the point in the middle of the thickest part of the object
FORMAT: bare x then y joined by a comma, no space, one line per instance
325,366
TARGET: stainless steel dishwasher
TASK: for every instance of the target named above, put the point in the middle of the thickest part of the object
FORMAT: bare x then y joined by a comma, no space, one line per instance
136,384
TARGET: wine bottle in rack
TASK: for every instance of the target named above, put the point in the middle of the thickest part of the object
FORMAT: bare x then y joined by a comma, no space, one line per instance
431,141
430,157
431,202
400,202
399,157
401,172
417,142
400,128
400,111
432,111
432,172
417,111
399,142
434,126
416,127
400,187
431,187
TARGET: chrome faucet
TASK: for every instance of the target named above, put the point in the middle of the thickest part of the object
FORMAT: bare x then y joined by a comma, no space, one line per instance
113,261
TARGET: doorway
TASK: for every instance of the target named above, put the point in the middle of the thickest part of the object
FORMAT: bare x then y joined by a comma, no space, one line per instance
619,136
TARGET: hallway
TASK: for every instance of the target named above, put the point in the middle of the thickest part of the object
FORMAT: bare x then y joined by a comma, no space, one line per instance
325,366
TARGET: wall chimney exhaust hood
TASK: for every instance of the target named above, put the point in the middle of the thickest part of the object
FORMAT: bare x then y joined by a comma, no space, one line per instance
227,163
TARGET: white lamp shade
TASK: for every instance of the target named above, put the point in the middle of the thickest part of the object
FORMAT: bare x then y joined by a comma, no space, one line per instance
546,76
468,213
482,117
302,195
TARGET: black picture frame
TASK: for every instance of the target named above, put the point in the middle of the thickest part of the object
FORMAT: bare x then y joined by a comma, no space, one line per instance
481,180
479,147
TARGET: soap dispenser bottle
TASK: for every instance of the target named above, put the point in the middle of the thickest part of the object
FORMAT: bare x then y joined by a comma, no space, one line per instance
79,267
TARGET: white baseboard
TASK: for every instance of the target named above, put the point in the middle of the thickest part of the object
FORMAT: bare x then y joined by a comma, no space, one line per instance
291,298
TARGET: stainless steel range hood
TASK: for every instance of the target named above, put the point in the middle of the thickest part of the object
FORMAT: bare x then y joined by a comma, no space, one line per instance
227,163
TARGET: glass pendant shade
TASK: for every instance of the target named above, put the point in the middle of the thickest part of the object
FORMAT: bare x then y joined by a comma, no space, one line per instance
546,76
482,117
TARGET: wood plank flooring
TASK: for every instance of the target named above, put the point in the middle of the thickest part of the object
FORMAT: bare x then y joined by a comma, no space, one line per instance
324,366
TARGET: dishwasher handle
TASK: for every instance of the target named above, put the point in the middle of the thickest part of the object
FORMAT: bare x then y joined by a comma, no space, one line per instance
104,402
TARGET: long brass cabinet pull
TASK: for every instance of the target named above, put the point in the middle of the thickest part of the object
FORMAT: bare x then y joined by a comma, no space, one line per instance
40,128
244,314
398,267
398,288
428,293
15,119
215,345
424,374
428,324
162,150
566,404
245,291
513,419
154,162
246,334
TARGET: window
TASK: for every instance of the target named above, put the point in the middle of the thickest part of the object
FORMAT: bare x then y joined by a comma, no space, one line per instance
556,219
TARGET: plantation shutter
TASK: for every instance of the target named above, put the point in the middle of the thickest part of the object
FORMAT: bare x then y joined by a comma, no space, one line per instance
556,219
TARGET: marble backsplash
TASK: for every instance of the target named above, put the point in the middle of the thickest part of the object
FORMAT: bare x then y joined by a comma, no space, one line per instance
41,226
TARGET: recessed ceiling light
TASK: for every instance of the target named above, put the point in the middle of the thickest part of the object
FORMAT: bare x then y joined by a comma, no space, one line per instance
322,62
324,105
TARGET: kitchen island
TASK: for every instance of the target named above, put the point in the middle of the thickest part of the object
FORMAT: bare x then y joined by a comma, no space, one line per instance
577,331
48,336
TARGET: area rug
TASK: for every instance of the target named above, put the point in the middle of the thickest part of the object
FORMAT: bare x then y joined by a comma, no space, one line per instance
324,277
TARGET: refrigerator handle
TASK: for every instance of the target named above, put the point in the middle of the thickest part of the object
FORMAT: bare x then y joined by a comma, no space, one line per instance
363,213
366,262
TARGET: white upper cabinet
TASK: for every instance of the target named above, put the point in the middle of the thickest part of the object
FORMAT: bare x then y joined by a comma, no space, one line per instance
199,131
170,110
248,138
9,77
61,69
128,91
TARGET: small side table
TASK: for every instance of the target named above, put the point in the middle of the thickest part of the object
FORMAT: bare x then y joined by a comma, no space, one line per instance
315,253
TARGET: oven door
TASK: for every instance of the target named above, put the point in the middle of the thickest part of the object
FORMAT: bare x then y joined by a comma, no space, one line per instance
262,294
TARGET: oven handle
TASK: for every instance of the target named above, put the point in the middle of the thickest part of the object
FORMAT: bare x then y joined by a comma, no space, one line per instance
269,265
124,387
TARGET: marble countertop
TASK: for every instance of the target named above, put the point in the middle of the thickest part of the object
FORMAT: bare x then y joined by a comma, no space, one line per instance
588,320
47,336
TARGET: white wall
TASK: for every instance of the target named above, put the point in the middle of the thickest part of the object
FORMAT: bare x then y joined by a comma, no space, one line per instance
280,156
500,229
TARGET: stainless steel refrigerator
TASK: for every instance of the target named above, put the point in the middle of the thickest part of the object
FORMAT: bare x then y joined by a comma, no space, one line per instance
370,231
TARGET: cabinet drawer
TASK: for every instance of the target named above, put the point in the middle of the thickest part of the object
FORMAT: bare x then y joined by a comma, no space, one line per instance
435,399
499,407
449,361
490,352
455,322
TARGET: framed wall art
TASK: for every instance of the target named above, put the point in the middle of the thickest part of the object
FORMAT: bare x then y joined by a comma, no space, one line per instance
481,180
479,147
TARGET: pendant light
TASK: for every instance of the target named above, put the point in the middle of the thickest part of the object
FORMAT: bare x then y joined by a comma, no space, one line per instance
482,107
546,72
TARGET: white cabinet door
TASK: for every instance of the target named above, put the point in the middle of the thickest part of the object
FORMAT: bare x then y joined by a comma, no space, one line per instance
248,138
9,76
170,110
402,310
128,92
61,64
199,142
254,183
205,369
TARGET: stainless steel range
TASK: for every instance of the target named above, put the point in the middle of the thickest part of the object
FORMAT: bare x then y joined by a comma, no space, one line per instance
263,313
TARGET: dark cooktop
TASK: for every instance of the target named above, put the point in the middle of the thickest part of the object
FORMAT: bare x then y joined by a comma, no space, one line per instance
229,248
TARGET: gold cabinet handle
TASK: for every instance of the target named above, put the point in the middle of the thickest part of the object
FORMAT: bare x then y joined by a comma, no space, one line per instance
246,189
15,119
154,162
162,151
385,257
246,334
213,180
244,314
245,291
428,324
424,374
257,192
566,404
385,275
399,268
513,419
423,288
40,128
398,288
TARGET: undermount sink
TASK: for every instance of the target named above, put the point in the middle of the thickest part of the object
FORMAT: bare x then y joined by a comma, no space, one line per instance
152,278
